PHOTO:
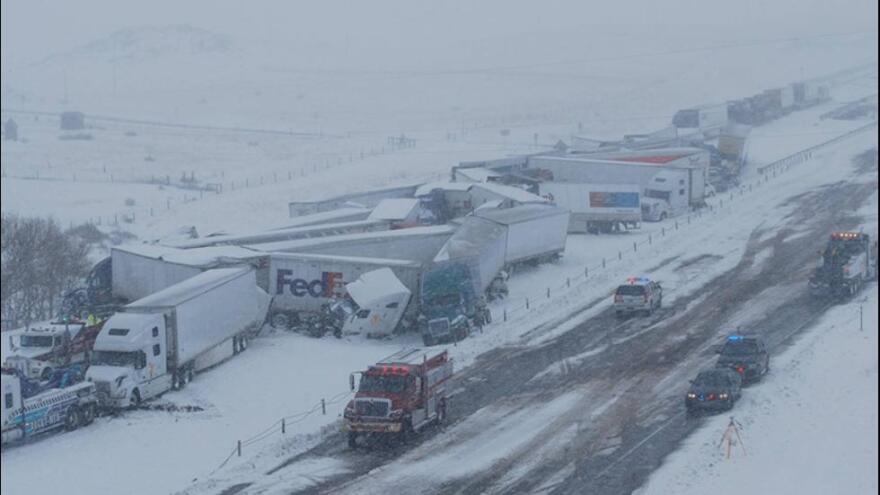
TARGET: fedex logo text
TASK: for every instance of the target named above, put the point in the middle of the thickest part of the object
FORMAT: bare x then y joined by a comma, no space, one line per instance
298,287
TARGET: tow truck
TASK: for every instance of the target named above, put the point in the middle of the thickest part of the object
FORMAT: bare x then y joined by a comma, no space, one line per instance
42,349
31,407
848,262
399,395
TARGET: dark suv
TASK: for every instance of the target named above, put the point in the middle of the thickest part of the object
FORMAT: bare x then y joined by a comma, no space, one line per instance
745,354
714,389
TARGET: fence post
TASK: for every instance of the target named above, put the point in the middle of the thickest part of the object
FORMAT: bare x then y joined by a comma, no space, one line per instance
548,292
282,426
603,262
504,314
323,407
620,255
662,231
649,239
275,176
676,225
861,320
586,272
246,182
289,175
720,203
568,281
151,211
168,203
527,303
635,246
239,448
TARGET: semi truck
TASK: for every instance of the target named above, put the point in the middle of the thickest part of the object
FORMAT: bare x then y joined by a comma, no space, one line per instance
381,301
159,342
41,349
399,395
597,208
304,283
848,262
449,300
31,407
709,119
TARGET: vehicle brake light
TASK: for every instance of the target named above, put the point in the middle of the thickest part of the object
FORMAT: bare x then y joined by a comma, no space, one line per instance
740,369
711,396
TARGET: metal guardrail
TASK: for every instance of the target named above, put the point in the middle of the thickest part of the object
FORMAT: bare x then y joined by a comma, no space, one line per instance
805,154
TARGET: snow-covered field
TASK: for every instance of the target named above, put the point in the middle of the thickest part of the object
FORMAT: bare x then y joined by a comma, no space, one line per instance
156,451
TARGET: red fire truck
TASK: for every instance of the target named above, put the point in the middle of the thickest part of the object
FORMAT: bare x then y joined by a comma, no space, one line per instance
400,395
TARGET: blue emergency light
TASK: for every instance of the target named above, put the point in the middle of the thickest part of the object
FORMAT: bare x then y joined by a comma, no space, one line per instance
734,338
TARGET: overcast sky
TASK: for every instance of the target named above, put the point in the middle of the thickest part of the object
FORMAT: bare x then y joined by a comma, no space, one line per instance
32,29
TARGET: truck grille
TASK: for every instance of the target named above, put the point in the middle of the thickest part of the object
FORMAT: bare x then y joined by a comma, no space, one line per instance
372,408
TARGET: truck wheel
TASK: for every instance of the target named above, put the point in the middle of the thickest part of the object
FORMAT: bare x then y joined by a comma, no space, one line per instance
88,414
663,216
46,373
428,340
135,399
242,343
71,419
280,321
441,412
352,439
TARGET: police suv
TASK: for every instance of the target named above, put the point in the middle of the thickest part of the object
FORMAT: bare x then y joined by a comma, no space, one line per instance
638,295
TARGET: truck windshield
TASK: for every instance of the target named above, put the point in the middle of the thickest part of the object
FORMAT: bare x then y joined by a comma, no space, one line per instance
36,341
383,383
654,193
115,358
444,300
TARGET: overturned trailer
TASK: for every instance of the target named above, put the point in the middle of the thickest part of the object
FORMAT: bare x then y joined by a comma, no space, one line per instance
533,233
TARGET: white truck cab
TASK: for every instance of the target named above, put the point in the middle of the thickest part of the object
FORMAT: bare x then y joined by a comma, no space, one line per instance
128,363
666,195
382,300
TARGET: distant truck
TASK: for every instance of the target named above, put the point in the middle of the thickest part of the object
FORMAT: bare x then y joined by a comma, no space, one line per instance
42,349
708,119
597,208
157,343
848,262
31,407
399,395
810,93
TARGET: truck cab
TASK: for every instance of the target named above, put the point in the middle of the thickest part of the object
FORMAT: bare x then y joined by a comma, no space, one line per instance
666,195
44,348
848,261
128,363
448,303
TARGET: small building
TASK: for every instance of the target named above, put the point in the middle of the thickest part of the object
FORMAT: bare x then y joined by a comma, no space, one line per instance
73,121
11,130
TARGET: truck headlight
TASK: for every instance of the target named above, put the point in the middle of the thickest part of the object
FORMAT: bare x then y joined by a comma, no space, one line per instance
119,381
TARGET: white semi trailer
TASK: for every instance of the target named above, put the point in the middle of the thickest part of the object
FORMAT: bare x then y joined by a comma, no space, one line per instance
158,342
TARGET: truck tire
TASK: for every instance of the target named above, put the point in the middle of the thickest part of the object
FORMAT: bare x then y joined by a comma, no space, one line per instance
280,321
441,411
72,418
352,439
135,399
89,411
46,373
242,342
428,340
